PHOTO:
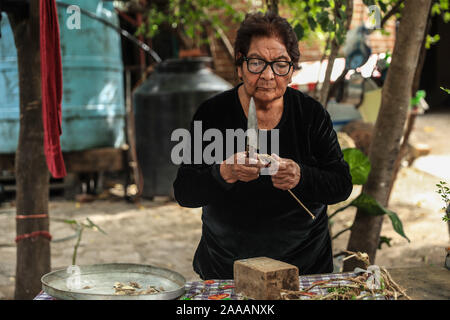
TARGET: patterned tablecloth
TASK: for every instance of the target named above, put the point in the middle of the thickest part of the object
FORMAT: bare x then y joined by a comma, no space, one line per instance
224,289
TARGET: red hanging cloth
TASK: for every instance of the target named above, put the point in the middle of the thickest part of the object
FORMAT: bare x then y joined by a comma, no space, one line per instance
51,79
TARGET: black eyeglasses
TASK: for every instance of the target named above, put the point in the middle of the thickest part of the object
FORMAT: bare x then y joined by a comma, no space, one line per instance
280,68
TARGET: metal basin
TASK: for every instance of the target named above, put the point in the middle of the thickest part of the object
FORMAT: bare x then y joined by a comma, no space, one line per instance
96,282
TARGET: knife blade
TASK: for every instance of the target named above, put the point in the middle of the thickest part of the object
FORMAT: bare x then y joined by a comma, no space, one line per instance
251,146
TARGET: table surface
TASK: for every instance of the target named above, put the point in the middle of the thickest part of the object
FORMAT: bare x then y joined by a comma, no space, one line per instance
224,289
421,283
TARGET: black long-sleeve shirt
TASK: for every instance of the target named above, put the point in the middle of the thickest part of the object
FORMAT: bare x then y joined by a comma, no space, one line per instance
250,219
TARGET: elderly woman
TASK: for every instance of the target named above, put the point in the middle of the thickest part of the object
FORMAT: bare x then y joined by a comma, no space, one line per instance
246,214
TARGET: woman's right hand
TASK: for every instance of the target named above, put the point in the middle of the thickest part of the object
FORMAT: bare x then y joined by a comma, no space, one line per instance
240,167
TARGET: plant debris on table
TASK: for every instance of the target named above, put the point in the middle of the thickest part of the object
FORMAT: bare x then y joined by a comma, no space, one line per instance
351,288
131,289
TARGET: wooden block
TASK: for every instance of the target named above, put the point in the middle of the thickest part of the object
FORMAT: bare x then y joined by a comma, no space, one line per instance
262,278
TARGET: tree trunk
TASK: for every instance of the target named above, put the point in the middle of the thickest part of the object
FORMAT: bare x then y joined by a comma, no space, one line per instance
32,179
314,92
389,127
422,56
411,118
327,80
272,6
335,46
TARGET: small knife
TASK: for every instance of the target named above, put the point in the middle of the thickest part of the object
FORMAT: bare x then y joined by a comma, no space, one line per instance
251,146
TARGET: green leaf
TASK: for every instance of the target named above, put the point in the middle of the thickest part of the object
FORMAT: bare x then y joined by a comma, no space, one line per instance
369,2
340,37
369,205
444,4
299,31
385,240
312,23
385,33
359,165
397,224
420,94
430,40
435,9
342,14
70,221
323,19
94,226
446,17
446,90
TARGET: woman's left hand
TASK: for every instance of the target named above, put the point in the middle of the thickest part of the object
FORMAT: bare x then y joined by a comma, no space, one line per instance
288,174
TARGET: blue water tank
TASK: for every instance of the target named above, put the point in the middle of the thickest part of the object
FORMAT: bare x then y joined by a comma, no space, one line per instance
93,108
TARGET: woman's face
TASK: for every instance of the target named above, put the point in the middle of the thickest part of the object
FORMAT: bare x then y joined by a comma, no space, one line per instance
266,86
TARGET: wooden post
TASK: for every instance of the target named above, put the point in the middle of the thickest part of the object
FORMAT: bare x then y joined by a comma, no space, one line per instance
32,177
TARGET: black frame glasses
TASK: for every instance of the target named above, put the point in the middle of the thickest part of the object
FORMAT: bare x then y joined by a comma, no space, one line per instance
290,63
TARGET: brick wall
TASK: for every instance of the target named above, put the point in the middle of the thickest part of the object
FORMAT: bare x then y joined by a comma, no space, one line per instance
310,50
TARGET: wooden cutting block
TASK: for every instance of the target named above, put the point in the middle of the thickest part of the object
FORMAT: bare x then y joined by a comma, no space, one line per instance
262,278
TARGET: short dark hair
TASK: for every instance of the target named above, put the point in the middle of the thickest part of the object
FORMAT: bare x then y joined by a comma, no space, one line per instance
265,25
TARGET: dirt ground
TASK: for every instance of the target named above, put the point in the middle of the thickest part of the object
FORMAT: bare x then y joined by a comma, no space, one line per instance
163,234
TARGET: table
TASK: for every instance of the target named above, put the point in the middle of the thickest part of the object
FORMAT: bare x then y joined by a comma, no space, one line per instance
224,289
421,283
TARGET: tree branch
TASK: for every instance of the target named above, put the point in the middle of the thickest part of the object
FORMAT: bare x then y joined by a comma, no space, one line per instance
341,232
395,9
